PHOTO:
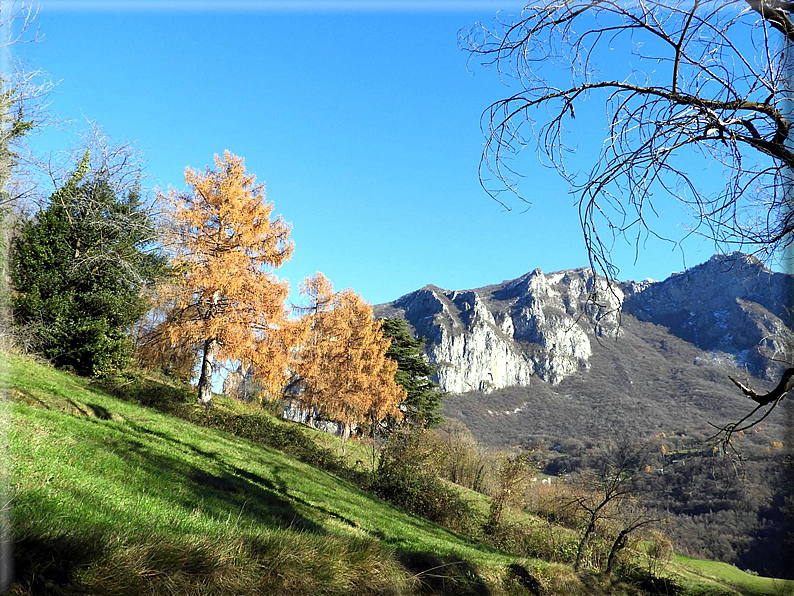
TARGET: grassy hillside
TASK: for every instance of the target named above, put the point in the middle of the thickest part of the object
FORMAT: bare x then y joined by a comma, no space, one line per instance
109,497
700,576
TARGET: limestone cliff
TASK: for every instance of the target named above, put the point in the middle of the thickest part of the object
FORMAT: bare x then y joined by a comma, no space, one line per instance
538,325
543,325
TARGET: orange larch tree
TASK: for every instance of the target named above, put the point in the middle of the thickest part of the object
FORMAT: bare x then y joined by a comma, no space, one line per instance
343,359
228,300
314,353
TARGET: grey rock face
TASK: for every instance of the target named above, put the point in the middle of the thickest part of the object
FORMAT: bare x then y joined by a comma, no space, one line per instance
239,383
292,410
543,325
499,336
732,305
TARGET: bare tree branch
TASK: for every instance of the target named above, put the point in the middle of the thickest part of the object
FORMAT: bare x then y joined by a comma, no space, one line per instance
783,387
699,115
725,433
706,85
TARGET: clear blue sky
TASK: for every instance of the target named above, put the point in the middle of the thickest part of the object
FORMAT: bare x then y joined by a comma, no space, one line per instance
362,118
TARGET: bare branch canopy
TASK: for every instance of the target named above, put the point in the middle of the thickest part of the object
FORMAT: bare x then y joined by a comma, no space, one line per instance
697,113
670,102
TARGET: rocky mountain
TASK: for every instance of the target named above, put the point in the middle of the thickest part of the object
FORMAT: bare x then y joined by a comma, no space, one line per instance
568,342
731,305
565,364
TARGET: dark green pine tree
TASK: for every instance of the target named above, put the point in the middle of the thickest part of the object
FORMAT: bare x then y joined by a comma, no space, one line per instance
414,373
77,270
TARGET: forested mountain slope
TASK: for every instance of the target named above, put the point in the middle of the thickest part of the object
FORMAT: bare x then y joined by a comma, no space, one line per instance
565,364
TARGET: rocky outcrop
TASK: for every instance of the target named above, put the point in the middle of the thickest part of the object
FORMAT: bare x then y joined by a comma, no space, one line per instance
731,305
538,325
239,383
294,411
543,326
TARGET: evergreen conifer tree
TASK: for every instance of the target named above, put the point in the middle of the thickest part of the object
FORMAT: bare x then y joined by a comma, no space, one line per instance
414,373
77,270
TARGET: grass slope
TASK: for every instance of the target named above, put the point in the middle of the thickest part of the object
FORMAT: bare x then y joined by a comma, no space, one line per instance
705,577
109,497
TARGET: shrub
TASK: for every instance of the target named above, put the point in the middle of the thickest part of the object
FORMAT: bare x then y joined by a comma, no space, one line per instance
553,502
407,476
467,463
512,478
549,542
658,553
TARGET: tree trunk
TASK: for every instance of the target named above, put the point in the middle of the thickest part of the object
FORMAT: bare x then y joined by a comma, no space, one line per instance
617,546
345,435
583,544
205,380
374,451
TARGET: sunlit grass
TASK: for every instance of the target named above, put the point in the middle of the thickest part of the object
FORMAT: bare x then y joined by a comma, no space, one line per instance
126,498
114,498
704,573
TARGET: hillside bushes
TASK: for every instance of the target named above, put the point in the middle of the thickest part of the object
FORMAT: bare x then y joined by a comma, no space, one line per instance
407,475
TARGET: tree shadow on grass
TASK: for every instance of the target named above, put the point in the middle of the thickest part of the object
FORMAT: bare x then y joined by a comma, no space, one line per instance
49,557
182,445
46,564
180,402
100,412
443,575
154,394
525,578
161,463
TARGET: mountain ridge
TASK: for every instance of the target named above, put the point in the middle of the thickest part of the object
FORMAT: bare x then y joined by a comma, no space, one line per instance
569,344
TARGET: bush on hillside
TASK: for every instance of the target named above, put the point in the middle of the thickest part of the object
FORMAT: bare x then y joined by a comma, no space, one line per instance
467,462
138,387
407,476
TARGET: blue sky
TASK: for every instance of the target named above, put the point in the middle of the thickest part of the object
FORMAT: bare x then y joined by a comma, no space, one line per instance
363,119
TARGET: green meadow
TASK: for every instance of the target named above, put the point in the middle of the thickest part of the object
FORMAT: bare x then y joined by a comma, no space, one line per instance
107,496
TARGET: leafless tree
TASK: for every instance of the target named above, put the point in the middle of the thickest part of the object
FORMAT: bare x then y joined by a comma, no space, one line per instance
685,85
23,93
120,168
697,99
609,495
630,517
17,90
18,22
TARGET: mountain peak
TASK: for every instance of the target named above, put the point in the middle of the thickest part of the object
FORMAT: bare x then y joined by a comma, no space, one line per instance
544,326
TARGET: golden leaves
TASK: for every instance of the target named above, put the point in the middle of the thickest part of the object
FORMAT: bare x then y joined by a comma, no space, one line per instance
227,245
343,358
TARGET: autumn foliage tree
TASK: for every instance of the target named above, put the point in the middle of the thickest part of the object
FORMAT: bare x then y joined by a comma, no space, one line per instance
227,299
343,361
